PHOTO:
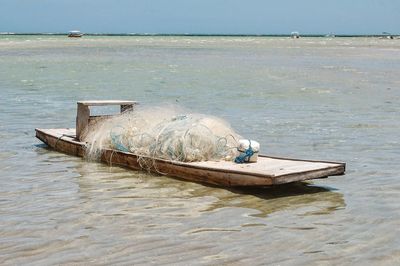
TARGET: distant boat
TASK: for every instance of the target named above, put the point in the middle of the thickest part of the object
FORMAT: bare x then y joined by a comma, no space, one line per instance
295,35
387,35
330,35
75,34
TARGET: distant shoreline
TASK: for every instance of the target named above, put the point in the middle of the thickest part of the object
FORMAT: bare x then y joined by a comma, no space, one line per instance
202,35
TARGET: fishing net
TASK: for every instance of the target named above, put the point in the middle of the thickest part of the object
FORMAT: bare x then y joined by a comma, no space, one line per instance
163,133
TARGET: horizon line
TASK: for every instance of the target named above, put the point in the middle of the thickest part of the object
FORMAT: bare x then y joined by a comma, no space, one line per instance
383,34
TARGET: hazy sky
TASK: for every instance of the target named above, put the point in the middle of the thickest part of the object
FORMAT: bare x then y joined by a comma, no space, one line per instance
201,16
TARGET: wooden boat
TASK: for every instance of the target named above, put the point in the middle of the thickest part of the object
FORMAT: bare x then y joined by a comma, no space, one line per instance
295,35
75,34
266,171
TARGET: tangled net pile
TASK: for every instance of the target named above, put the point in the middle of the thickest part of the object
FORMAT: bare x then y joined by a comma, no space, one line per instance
163,133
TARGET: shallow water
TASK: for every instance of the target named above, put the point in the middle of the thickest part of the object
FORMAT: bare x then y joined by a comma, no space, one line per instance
316,98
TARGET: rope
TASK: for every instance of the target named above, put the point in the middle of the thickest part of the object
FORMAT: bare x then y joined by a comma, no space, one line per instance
244,157
60,137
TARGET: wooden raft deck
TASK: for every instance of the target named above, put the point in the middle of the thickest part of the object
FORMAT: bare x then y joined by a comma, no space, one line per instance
267,171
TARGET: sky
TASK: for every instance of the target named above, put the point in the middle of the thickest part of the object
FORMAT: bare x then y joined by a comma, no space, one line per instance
201,16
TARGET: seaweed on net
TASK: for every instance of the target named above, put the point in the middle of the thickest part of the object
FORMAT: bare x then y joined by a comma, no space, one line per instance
163,133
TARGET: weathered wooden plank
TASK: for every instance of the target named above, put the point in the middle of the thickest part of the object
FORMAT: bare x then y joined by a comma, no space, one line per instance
62,141
316,173
106,102
82,119
183,171
266,166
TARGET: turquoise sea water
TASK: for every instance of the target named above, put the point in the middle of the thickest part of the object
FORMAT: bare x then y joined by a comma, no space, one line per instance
315,98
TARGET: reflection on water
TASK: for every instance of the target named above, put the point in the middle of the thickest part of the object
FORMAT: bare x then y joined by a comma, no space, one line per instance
312,98
265,200
272,199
